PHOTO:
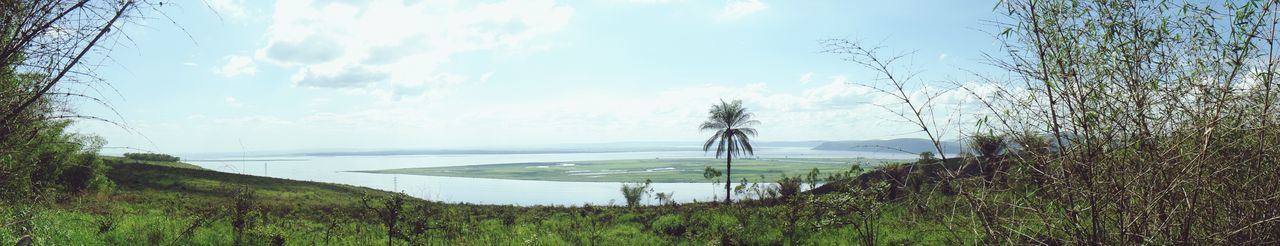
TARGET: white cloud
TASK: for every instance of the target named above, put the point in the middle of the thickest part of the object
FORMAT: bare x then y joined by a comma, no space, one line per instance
233,8
348,77
942,56
233,102
843,79
649,1
832,110
259,121
741,8
394,48
238,65
806,77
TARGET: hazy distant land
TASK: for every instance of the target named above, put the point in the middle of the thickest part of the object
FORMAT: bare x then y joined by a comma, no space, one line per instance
682,170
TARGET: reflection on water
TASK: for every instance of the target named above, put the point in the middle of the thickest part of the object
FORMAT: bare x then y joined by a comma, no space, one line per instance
496,191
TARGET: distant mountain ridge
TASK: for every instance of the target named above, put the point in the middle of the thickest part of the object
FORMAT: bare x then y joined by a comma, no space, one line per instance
912,145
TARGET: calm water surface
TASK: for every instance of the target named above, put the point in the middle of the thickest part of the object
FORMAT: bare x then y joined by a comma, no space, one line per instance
495,191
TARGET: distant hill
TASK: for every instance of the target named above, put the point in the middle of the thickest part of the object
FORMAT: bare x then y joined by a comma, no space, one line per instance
615,147
913,145
789,144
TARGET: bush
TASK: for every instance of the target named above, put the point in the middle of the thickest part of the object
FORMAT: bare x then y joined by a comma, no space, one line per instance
634,192
51,161
715,225
789,186
152,157
88,173
671,224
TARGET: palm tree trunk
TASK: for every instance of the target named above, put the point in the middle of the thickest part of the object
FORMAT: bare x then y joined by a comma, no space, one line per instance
728,175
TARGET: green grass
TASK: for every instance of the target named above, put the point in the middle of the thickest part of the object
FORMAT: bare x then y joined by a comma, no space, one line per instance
180,204
687,170
116,160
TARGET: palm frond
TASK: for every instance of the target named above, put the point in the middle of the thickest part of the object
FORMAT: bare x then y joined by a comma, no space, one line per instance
711,125
732,125
744,141
707,146
720,148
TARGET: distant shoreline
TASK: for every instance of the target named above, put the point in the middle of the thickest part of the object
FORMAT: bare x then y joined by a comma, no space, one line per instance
229,160
673,170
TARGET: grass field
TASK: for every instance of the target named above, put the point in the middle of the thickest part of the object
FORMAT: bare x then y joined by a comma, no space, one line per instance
688,170
157,203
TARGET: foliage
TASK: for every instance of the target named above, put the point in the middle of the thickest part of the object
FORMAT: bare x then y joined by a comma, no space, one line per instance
52,162
176,205
152,157
1161,134
633,192
42,45
671,225
665,198
733,131
789,186
1133,122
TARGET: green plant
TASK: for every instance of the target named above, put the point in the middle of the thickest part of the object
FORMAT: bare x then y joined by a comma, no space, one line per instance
243,201
152,157
670,224
665,198
633,192
733,131
388,213
789,186
813,178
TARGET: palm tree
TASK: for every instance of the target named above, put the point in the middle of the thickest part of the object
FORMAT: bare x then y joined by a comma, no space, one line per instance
990,147
732,124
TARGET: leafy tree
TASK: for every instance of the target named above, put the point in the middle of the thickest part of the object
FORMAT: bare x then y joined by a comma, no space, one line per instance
732,125
39,156
41,53
152,157
634,192
926,158
989,147
789,186
813,179
389,213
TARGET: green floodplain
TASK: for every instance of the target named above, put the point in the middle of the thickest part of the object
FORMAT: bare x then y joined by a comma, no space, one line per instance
174,203
681,170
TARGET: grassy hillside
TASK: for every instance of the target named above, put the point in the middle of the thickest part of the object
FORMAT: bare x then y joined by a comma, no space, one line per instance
180,204
688,170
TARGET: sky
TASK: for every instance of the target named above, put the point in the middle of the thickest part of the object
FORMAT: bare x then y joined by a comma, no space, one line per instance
211,76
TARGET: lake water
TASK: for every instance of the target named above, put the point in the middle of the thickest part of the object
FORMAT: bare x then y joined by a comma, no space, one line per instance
495,191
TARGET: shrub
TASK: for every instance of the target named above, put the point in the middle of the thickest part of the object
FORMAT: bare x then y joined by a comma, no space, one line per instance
671,224
714,224
88,173
789,186
389,213
665,198
242,205
52,161
151,157
635,191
